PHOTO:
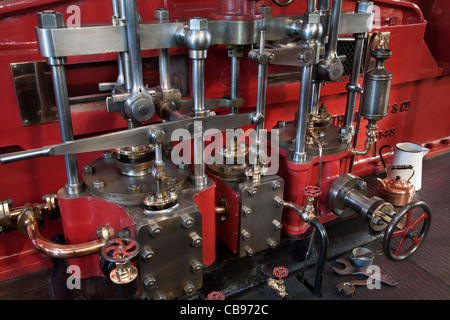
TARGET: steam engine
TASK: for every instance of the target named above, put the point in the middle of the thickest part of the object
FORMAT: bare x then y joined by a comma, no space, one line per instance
156,135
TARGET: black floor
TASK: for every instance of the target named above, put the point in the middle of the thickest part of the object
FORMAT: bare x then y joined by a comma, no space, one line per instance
424,276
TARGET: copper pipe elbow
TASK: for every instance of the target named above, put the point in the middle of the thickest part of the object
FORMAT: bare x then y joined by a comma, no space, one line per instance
55,250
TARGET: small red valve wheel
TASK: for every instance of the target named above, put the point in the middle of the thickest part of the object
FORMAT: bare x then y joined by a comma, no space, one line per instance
216,295
407,231
120,249
312,191
280,272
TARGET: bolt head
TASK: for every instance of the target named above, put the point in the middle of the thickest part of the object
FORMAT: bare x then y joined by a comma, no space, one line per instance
249,250
277,225
252,192
88,169
246,211
246,235
279,202
50,20
147,253
362,185
276,185
187,221
98,183
197,266
265,10
189,289
134,188
196,240
272,243
149,282
198,23
161,14
108,155
155,230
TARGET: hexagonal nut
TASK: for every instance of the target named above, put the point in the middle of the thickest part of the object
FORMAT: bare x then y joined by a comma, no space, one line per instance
196,240
252,191
147,253
98,183
155,230
246,211
50,20
198,23
197,266
134,188
88,169
189,288
187,221
149,281
311,18
265,10
365,7
161,14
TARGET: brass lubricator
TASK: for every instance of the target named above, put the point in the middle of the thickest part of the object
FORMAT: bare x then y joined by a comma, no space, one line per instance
318,123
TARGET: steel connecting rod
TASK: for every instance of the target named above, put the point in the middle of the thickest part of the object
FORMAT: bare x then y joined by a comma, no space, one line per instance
139,106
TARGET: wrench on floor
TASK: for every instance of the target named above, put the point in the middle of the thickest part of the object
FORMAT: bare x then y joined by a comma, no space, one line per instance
349,269
348,287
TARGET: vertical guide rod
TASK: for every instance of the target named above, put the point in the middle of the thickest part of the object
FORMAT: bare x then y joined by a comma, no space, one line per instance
260,106
53,19
234,91
303,105
125,56
74,185
262,86
162,15
134,46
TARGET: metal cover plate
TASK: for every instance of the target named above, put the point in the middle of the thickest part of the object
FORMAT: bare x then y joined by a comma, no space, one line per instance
171,267
260,224
34,89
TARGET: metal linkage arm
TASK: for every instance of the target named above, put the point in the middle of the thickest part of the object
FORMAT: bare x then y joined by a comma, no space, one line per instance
137,136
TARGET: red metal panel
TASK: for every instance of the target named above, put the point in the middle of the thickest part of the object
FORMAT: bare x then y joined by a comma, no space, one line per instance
205,202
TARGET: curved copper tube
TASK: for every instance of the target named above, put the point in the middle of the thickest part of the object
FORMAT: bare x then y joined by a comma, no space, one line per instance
55,250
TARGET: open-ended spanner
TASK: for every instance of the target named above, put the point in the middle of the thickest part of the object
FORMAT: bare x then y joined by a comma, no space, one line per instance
349,269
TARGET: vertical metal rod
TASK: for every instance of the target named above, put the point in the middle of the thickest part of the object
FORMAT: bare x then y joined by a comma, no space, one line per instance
116,15
311,6
198,85
162,15
303,105
74,184
353,82
315,96
134,45
127,78
262,86
164,69
334,27
234,92
324,5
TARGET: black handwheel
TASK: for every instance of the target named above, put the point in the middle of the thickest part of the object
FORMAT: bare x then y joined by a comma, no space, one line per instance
407,230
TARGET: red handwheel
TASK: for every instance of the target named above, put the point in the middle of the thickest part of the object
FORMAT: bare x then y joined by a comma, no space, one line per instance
120,250
407,231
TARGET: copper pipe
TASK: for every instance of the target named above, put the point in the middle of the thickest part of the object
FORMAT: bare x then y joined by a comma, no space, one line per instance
57,250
